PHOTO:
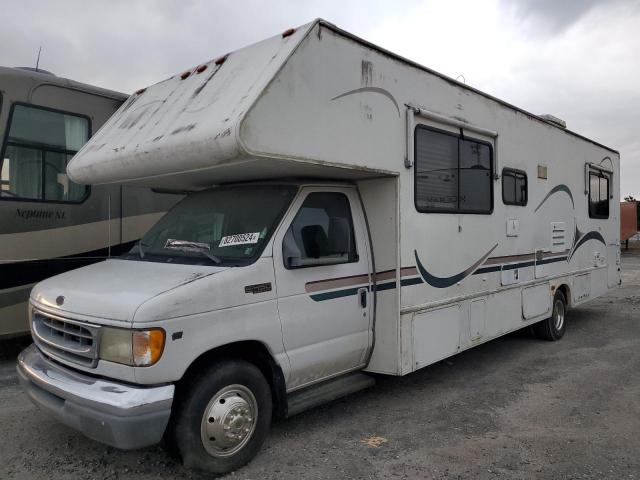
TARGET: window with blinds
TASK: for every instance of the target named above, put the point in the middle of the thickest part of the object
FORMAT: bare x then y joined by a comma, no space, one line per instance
453,174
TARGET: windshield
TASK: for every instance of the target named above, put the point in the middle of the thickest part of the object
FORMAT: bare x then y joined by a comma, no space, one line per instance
223,226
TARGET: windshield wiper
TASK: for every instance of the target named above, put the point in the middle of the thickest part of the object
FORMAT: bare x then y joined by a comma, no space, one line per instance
141,244
211,257
192,247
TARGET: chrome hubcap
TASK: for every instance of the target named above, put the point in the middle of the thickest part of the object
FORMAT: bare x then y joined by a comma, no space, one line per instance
558,314
229,421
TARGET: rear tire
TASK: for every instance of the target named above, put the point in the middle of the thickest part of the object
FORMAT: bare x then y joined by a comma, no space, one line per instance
553,328
222,417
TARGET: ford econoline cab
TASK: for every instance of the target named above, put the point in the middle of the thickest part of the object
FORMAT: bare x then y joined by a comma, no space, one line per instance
227,296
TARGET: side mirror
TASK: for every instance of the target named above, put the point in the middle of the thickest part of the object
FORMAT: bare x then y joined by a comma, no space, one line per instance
288,261
290,251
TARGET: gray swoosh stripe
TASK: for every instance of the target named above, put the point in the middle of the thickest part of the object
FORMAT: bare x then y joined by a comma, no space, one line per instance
379,90
556,189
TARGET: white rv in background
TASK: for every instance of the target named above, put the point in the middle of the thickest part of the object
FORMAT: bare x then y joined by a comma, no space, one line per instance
49,224
351,212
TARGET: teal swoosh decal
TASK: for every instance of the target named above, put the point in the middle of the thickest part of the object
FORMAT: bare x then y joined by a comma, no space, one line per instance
556,189
347,292
593,235
444,282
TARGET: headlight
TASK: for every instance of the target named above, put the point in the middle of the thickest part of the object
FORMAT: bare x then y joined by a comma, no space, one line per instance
116,345
139,348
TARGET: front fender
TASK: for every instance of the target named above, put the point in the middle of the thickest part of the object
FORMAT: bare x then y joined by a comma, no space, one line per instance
188,338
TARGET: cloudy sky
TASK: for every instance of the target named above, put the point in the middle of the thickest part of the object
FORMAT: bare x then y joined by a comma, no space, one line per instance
576,59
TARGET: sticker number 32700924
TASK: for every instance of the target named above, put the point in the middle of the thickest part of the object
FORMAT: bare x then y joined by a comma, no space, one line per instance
239,239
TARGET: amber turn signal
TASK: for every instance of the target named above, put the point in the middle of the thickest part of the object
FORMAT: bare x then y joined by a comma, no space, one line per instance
147,347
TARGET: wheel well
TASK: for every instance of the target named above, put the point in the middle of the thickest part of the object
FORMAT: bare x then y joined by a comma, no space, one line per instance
253,352
564,288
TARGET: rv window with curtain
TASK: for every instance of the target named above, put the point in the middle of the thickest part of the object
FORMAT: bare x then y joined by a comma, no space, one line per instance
452,173
38,146
598,194
514,187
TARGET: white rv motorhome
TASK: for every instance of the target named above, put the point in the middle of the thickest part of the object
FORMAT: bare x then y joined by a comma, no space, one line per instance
351,212
49,224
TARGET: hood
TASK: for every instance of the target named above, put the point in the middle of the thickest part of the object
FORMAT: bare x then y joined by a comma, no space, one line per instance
114,289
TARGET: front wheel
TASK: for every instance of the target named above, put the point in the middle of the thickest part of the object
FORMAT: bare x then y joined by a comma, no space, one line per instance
223,417
553,328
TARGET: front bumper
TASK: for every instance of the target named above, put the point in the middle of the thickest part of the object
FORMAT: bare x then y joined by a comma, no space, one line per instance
119,415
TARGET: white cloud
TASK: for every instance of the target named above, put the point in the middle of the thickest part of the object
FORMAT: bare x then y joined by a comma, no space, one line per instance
124,45
575,59
585,72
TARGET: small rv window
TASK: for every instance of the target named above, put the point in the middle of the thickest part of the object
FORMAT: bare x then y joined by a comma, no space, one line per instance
598,194
452,174
514,187
40,143
321,233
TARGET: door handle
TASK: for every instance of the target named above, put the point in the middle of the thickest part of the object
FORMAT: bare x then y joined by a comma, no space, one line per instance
362,297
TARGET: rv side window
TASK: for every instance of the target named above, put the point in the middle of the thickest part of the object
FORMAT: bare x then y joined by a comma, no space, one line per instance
452,174
514,187
598,194
38,146
321,233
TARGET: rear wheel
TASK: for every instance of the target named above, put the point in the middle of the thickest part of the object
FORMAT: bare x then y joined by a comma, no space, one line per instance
223,417
553,328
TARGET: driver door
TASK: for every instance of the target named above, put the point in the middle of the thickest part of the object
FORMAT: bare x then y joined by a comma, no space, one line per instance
322,266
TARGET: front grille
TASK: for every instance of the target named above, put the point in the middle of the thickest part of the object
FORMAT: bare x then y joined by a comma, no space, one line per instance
66,339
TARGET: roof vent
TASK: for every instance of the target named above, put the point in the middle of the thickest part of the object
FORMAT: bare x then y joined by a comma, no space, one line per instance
558,122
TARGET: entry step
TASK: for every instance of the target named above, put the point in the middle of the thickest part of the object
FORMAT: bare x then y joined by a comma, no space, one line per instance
327,391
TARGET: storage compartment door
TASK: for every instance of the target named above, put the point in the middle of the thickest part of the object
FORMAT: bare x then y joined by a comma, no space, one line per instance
477,319
536,301
436,334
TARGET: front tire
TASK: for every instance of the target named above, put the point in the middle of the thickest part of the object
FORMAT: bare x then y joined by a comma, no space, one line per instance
222,417
553,328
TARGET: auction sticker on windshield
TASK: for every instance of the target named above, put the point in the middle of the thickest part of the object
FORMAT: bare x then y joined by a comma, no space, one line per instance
239,239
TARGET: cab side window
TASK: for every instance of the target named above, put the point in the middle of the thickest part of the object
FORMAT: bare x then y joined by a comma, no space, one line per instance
39,144
321,233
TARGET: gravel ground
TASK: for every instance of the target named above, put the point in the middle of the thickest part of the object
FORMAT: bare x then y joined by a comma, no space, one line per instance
514,408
